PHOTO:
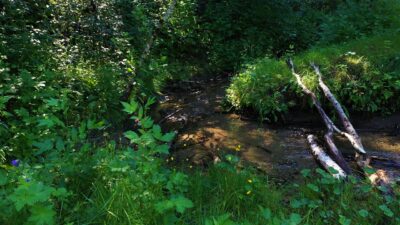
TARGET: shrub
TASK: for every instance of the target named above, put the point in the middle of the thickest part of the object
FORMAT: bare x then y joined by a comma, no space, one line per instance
360,73
354,19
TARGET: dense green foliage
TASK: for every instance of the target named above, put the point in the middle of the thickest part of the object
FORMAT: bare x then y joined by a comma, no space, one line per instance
239,31
228,195
363,74
77,148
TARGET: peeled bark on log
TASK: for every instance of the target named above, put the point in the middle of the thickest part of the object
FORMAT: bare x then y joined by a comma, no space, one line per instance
351,132
314,98
324,159
361,156
379,178
328,122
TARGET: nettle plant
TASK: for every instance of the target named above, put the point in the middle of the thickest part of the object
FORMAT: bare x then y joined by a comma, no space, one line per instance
150,148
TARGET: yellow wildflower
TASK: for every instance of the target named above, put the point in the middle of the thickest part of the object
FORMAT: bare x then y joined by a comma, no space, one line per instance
238,148
248,192
249,181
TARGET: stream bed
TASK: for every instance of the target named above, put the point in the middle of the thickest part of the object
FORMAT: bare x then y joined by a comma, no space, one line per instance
206,132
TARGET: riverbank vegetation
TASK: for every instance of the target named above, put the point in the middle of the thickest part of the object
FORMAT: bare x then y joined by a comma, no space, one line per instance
363,74
79,79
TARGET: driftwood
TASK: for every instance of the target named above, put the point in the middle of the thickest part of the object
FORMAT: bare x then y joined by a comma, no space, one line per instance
324,159
168,116
336,159
351,132
328,123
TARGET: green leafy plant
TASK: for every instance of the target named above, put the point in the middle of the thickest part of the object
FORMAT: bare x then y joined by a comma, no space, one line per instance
353,72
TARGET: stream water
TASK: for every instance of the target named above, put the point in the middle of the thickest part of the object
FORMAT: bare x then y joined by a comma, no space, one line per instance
206,132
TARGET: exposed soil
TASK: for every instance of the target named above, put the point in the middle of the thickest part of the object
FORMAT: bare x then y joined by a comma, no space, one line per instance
206,132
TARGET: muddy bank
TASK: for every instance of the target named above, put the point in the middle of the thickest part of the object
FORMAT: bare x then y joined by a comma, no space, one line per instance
205,131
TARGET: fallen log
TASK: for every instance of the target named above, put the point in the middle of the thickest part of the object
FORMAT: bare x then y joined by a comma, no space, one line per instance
338,157
379,178
324,159
351,132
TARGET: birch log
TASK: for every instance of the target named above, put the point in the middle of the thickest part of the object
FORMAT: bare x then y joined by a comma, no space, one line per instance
324,159
379,178
351,132
337,155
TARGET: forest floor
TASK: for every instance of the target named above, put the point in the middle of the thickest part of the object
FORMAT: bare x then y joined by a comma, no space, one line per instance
206,131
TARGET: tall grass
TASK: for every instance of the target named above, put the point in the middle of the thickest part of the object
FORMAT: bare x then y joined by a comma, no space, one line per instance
227,194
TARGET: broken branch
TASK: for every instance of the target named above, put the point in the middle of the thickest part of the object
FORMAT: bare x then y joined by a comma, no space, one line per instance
351,132
324,159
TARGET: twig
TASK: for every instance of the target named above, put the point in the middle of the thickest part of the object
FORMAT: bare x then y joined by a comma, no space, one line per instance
169,115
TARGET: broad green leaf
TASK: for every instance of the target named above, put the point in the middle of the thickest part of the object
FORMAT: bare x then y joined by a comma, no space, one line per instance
60,192
130,107
163,206
157,131
265,212
52,102
4,100
337,190
29,194
140,113
344,221
60,144
294,219
91,124
332,170
388,212
42,215
177,181
147,139
182,203
132,136
305,172
167,137
147,122
46,122
363,213
150,102
163,149
313,187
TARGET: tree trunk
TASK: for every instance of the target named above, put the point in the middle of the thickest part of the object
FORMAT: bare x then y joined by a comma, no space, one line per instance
325,161
379,178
